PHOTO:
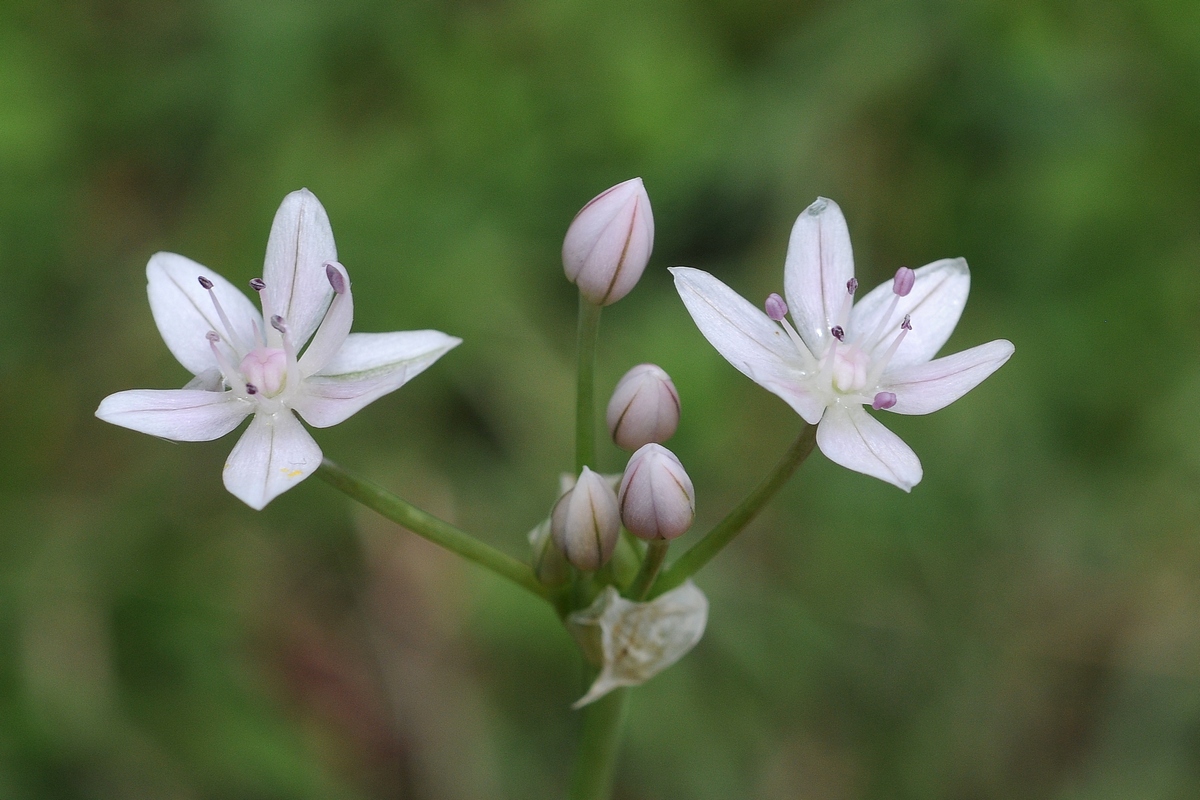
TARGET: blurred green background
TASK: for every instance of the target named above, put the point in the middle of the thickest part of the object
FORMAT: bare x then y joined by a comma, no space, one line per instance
1025,624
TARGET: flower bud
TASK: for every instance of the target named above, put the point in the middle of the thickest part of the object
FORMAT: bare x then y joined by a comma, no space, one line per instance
585,522
644,408
609,242
549,563
656,500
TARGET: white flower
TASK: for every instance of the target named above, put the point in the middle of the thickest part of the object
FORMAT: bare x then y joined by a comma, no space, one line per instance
247,363
633,642
842,355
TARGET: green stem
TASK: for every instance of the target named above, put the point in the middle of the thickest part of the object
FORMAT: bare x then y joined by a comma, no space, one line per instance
656,553
598,744
725,531
585,402
430,527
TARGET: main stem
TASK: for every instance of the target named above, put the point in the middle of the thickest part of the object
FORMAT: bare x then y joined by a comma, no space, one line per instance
725,531
598,744
585,397
430,527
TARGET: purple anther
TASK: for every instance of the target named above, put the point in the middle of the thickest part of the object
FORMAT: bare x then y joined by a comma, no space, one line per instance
336,279
258,284
213,336
838,333
205,282
278,324
775,306
883,400
906,325
852,285
252,389
903,282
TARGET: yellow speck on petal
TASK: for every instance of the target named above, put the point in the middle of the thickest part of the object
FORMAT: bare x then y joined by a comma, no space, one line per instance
291,473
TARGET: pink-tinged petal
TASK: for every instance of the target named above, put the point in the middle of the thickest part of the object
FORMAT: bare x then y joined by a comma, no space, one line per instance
273,455
747,338
609,242
184,310
819,264
925,388
854,439
300,244
937,299
334,329
368,366
185,415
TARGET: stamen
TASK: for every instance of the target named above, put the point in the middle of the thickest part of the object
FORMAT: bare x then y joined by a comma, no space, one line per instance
843,316
902,284
235,341
838,333
258,284
883,400
289,349
882,362
232,377
775,307
251,388
336,279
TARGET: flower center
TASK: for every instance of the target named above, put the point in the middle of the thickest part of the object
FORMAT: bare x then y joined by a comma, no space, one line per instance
265,368
850,367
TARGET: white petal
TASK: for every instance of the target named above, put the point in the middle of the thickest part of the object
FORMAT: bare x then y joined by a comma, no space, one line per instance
935,303
273,455
819,264
185,415
334,329
747,338
301,242
924,388
856,440
368,366
184,311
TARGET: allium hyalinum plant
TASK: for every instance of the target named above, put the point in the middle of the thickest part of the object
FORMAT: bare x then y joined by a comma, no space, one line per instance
599,557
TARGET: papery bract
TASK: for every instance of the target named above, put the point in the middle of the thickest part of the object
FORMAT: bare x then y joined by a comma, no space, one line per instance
246,363
632,642
841,356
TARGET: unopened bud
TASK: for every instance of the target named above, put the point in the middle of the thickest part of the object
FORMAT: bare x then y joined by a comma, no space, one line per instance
656,500
608,243
585,522
549,563
644,408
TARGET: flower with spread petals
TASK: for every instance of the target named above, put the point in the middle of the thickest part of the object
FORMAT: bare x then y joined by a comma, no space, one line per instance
840,355
251,364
